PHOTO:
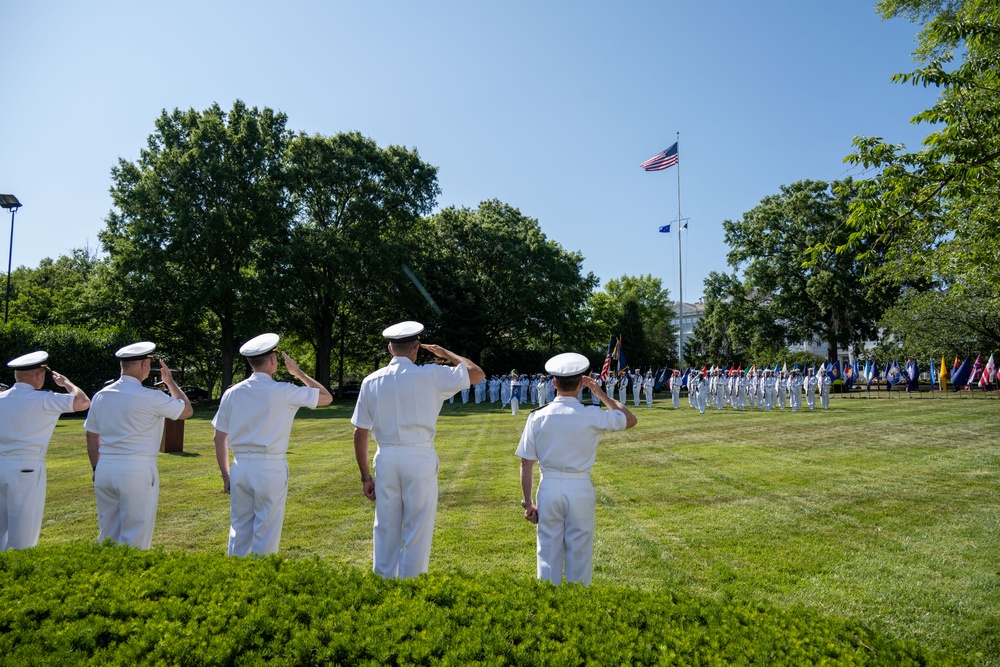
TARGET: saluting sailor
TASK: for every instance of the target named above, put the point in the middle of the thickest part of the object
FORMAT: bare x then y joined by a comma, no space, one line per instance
254,421
563,438
124,428
28,417
399,404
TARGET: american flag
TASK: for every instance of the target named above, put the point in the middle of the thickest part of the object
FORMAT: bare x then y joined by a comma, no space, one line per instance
606,369
662,160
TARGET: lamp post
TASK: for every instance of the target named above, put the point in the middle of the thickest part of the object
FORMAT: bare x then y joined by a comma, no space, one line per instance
9,202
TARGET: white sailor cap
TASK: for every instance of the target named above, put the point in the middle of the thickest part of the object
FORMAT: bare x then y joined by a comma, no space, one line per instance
29,362
567,364
260,345
136,351
403,332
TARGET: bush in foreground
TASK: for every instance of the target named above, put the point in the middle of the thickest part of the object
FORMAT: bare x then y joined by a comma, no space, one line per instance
115,605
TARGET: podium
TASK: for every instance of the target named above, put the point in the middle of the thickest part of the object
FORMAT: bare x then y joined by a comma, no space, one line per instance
173,436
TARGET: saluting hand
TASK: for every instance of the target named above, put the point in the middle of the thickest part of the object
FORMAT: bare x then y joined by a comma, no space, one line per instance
290,364
593,385
60,380
165,374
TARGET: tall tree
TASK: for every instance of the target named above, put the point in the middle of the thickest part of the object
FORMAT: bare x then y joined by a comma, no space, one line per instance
500,282
192,219
356,204
931,213
773,244
655,311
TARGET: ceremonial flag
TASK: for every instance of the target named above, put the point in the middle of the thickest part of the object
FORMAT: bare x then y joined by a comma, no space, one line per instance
606,368
991,371
784,368
665,229
849,374
960,377
912,375
684,226
933,374
834,370
977,368
662,160
943,375
620,356
684,378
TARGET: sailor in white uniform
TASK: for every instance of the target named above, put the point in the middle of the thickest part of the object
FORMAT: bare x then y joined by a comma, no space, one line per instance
823,384
647,388
675,388
399,404
124,427
795,389
28,416
254,421
810,387
563,438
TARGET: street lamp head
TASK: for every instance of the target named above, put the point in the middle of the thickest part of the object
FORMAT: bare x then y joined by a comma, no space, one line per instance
9,201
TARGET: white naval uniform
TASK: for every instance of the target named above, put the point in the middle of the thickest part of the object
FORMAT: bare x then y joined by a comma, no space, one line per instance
675,390
647,387
810,386
257,416
636,388
563,438
129,420
824,390
400,404
795,392
28,417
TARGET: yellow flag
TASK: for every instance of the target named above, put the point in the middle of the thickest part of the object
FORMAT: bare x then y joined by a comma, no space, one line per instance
943,374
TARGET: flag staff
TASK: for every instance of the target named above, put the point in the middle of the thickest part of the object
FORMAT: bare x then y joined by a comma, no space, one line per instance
680,272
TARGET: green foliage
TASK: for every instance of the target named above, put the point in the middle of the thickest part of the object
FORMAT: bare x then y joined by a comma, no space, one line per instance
193,220
116,605
955,319
930,214
356,205
85,356
813,292
500,282
655,312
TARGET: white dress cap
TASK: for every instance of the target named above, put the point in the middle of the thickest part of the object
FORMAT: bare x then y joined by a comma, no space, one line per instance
29,361
403,331
262,344
136,351
567,364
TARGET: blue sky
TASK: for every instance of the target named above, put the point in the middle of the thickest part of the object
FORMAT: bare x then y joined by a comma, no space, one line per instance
547,106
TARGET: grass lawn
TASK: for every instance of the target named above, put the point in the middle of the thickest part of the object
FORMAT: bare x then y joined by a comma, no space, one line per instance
886,511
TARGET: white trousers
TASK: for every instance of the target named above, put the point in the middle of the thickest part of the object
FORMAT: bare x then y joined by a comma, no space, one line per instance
127,489
22,500
811,398
565,528
824,397
513,405
675,394
406,494
258,489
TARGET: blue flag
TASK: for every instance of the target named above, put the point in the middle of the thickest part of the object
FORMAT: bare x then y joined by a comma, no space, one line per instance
933,374
960,378
665,229
912,375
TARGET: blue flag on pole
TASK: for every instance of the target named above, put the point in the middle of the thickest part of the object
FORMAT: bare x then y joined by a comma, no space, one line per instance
665,229
960,378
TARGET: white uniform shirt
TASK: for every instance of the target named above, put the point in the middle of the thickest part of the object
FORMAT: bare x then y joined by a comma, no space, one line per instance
563,436
258,413
28,418
129,417
401,402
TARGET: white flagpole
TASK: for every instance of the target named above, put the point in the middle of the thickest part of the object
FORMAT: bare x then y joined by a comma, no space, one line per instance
680,272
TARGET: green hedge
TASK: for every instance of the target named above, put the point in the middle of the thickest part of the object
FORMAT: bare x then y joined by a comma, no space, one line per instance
116,605
85,356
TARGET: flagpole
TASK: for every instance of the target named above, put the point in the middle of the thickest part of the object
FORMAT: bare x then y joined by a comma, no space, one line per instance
680,271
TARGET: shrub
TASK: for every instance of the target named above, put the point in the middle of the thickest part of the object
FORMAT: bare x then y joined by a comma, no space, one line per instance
117,605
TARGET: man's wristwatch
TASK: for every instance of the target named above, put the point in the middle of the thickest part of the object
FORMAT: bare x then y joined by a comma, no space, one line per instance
526,504
366,478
